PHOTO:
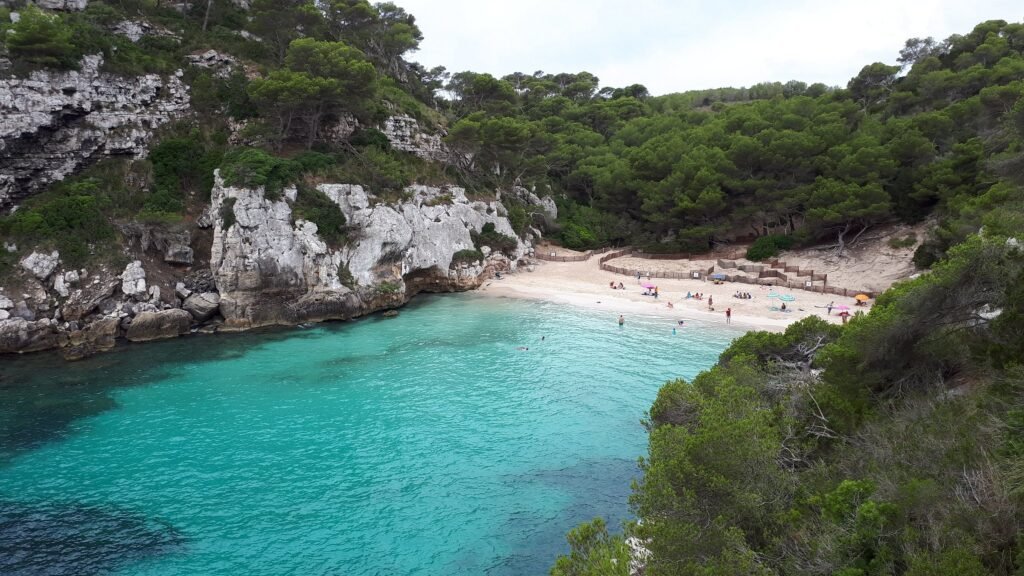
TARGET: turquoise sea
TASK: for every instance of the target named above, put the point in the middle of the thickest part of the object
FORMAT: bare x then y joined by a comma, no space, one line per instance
425,444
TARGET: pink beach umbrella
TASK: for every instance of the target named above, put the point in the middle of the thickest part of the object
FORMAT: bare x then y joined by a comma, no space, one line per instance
648,285
841,307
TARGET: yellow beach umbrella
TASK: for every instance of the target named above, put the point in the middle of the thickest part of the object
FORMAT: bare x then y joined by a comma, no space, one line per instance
862,297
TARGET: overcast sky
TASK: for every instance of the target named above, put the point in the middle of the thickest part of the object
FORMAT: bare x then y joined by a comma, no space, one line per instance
671,46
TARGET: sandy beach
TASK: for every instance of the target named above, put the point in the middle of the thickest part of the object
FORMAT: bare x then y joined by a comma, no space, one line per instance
585,284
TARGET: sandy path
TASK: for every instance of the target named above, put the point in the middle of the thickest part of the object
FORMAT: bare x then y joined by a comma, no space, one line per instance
585,284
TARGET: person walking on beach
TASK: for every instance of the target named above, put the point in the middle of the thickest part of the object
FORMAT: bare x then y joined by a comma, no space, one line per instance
637,276
711,302
728,315
829,307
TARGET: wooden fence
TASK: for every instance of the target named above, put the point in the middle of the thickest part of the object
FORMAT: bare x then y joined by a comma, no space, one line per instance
775,273
779,264
540,255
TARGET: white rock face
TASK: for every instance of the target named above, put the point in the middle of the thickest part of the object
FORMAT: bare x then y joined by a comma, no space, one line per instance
136,30
404,134
425,231
41,265
52,123
71,277
59,286
222,65
68,5
6,303
133,281
271,270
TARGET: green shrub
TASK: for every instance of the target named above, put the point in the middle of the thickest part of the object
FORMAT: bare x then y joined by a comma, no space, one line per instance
366,137
468,255
180,165
593,552
70,217
769,246
345,276
518,216
227,212
584,227
928,253
41,40
313,205
905,242
577,237
490,237
252,167
310,161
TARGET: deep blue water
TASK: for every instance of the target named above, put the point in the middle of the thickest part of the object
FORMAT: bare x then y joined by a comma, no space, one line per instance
424,444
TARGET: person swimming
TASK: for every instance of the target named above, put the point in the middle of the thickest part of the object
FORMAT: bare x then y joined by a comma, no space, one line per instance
622,320
522,347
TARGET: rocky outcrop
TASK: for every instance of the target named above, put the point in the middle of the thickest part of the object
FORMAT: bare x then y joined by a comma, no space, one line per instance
133,281
41,265
220,64
271,270
20,335
84,301
136,30
148,326
53,123
98,336
174,243
66,5
404,133
202,306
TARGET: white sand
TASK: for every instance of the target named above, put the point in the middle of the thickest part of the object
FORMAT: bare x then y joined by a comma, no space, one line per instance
585,284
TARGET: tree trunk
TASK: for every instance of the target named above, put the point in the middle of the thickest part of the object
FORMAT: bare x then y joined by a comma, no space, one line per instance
206,18
840,242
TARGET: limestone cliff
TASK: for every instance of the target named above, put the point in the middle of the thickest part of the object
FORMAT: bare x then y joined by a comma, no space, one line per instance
53,123
271,270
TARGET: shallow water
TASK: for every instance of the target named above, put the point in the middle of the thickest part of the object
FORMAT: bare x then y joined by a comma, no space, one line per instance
424,444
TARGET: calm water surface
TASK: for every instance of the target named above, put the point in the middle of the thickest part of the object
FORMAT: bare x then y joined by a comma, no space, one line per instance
425,444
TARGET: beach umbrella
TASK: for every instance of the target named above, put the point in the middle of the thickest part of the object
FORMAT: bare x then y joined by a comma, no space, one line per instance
841,307
862,297
648,285
773,295
718,276
787,298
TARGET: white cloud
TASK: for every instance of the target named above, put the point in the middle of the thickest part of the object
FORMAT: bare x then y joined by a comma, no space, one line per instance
674,46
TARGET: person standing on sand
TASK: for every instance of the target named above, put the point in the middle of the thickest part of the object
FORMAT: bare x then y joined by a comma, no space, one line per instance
829,307
638,277
728,315
711,302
